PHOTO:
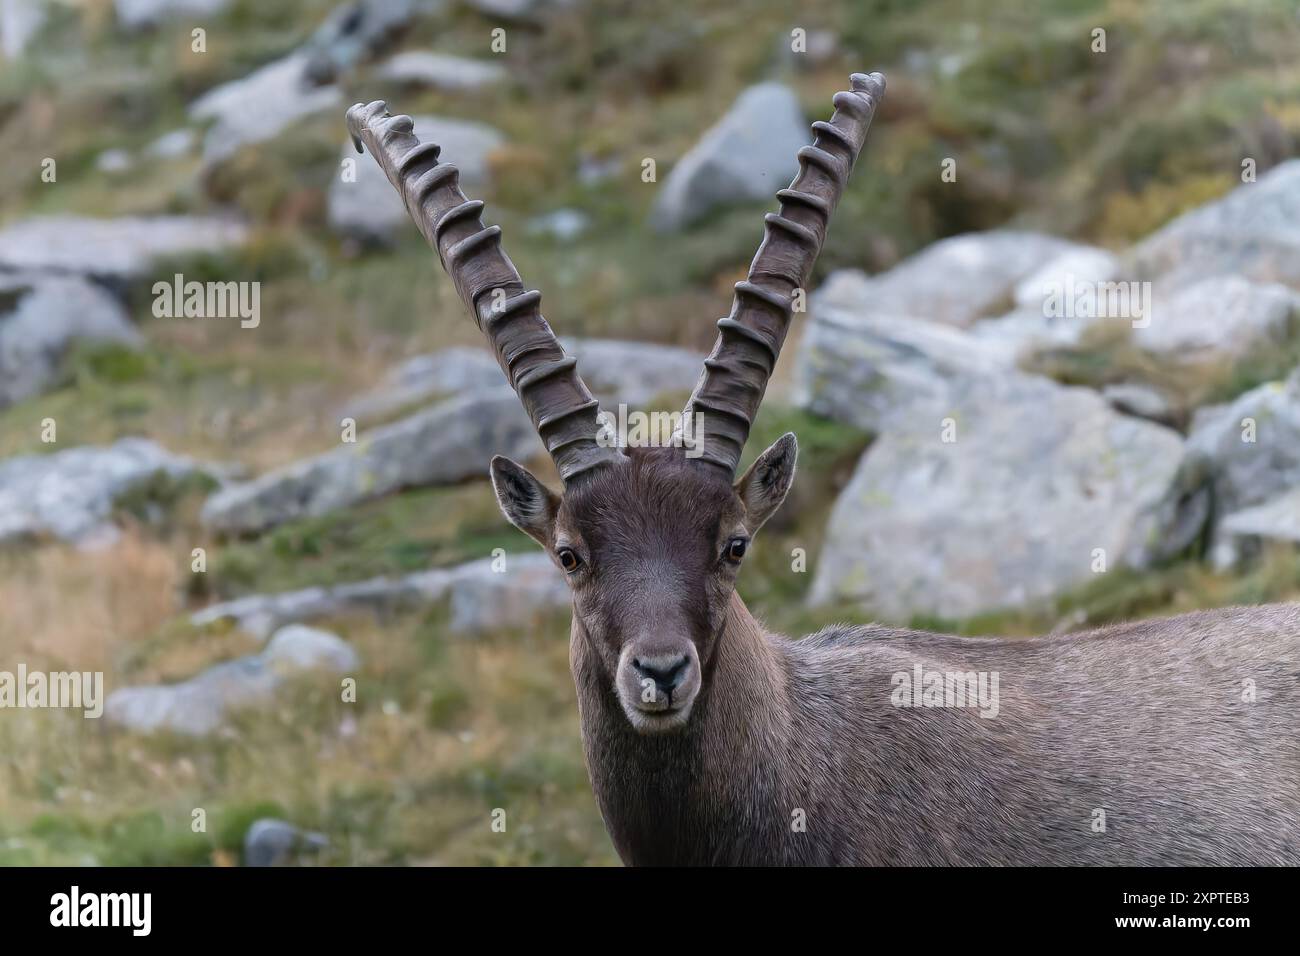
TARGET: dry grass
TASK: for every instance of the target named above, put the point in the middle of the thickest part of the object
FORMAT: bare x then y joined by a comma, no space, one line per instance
69,608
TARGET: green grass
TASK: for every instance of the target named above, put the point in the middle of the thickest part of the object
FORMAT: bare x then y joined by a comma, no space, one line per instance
397,535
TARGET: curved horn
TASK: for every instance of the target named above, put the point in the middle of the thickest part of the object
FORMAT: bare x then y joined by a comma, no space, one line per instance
749,339
546,380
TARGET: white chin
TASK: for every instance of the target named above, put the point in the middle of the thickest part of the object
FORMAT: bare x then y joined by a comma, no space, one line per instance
658,722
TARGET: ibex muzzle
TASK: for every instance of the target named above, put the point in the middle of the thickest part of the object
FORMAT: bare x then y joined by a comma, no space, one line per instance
709,740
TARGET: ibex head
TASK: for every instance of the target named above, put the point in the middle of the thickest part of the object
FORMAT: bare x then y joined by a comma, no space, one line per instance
650,540
651,549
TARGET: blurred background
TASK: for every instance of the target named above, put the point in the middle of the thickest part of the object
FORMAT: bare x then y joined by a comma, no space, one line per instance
268,522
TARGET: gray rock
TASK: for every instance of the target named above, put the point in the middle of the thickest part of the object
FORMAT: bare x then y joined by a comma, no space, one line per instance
633,373
955,281
1007,514
1028,331
369,208
299,648
196,707
122,248
204,703
113,161
1144,401
747,156
483,599
1241,533
172,145
260,106
875,371
20,22
521,10
440,71
41,316
271,842
1253,232
564,225
457,370
70,494
137,14
1078,265
1220,317
357,31
1245,472
446,443
616,371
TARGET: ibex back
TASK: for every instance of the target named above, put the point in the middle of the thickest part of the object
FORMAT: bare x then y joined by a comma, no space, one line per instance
710,741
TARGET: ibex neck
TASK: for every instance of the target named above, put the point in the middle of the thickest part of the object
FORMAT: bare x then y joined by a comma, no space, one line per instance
683,797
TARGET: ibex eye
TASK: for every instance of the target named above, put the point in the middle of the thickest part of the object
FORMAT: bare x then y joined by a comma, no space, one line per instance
736,549
569,560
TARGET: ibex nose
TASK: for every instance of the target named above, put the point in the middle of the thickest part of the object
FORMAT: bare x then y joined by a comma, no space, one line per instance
666,670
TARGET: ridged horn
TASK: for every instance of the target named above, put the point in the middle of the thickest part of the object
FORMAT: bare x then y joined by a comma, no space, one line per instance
736,373
561,408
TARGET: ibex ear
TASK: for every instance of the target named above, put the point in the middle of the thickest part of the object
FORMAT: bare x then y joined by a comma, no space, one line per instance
763,487
527,503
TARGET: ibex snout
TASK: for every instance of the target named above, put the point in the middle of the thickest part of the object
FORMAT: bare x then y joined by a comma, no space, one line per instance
657,684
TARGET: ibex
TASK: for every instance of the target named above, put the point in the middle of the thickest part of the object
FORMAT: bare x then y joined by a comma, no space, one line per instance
710,741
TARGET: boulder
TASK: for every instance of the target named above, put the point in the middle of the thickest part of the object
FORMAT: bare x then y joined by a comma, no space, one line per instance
875,371
747,156
486,595
954,281
1012,509
139,14
1253,232
527,11
440,71
203,704
299,648
113,162
271,842
41,316
356,31
562,225
1221,317
1028,331
1248,449
20,22
70,494
119,249
366,206
1243,532
457,370
1144,401
195,707
633,373
260,106
1077,266
616,371
444,444
172,145
485,600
